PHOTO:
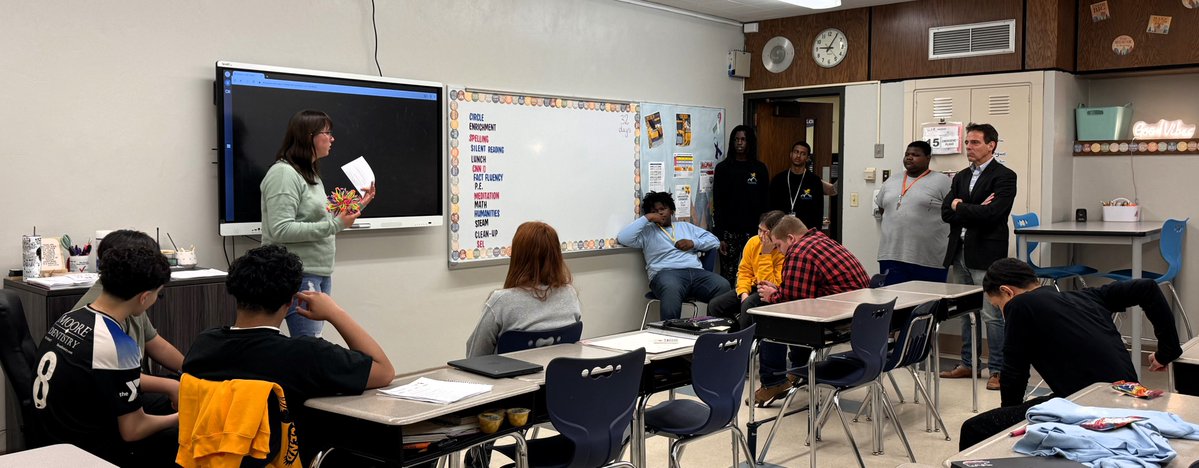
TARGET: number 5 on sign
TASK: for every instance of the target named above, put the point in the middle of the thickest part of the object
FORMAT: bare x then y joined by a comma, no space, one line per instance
945,139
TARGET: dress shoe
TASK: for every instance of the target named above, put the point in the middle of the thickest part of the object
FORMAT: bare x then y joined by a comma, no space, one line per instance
993,382
764,396
959,372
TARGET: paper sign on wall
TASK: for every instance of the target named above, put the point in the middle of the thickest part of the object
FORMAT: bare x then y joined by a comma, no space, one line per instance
657,176
944,139
684,165
682,200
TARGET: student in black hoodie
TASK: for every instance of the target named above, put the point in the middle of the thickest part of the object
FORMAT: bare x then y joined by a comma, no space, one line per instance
739,190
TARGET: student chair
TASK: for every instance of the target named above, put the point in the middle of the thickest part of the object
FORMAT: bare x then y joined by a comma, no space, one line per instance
718,372
1170,245
862,366
878,280
912,348
1054,273
591,404
707,259
18,355
201,416
520,340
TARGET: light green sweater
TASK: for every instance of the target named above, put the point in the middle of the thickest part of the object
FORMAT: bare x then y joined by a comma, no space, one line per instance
294,216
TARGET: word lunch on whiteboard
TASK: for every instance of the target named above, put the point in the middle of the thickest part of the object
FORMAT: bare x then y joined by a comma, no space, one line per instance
569,162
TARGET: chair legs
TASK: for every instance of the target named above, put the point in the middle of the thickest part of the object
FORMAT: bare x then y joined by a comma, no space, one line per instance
895,422
1186,321
738,438
928,402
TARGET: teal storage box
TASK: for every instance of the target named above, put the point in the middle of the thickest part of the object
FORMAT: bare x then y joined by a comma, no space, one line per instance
1102,123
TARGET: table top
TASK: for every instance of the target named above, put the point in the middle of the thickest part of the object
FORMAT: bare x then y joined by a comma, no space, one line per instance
1190,352
372,406
1096,228
1100,394
943,290
542,356
903,299
809,310
54,455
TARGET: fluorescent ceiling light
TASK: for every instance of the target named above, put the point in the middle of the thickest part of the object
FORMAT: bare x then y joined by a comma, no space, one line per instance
815,4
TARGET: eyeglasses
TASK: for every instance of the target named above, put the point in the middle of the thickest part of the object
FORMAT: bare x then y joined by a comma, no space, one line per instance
326,132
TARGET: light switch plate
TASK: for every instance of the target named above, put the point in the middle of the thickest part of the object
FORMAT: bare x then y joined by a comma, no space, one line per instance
878,150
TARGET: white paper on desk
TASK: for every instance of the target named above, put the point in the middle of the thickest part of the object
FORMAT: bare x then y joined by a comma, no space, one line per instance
436,391
653,343
359,173
191,274
72,280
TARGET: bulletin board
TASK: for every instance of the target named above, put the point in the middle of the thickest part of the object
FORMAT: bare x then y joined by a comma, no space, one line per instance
515,157
679,150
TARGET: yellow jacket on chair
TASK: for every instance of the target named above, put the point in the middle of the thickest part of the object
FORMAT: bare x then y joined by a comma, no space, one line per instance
222,422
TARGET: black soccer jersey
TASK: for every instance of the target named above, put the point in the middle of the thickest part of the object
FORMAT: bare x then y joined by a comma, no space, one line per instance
87,374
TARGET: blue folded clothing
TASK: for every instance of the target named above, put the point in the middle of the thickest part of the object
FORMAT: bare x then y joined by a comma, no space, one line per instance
1055,431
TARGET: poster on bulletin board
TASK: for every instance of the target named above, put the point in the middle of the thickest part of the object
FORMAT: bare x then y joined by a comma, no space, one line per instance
683,165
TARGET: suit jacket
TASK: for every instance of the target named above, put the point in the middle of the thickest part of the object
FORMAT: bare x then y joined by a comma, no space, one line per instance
986,225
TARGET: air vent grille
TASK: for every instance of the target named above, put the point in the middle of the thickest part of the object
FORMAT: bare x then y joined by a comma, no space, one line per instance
971,40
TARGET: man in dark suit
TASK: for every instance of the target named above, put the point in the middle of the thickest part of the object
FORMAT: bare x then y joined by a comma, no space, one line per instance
977,207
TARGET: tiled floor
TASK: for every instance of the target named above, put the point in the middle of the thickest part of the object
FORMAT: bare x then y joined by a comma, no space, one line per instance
788,449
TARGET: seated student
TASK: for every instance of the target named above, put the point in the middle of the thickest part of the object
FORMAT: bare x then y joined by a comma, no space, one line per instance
760,261
815,266
1046,327
161,394
671,251
537,293
86,389
263,281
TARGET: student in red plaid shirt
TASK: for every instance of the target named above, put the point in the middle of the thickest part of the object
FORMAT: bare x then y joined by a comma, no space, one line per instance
815,266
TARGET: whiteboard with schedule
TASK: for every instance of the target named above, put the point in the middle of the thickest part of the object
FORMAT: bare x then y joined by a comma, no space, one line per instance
514,157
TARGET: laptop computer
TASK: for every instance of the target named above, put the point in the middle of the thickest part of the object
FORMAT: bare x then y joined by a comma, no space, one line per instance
496,366
1018,462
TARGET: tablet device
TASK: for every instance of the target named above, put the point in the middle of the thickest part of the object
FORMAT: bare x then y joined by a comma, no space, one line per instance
1018,462
496,366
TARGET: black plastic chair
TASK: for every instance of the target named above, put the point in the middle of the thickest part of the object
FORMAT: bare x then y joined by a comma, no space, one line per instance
707,260
591,404
718,377
879,280
520,340
911,348
862,366
18,355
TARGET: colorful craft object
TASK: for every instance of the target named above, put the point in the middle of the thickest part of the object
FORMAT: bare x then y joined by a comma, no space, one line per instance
344,201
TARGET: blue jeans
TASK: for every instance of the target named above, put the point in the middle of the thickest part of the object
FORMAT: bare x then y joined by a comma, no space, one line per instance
298,325
902,272
992,319
672,286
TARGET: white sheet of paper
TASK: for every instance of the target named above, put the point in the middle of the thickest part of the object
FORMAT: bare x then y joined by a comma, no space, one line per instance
359,173
682,200
652,342
657,176
436,391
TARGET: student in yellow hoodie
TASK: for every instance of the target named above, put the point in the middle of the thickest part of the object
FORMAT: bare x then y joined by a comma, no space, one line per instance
760,260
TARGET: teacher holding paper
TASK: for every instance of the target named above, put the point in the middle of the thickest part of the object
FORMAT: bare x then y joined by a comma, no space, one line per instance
293,208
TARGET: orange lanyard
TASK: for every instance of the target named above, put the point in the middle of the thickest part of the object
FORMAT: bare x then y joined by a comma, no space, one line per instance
668,234
905,187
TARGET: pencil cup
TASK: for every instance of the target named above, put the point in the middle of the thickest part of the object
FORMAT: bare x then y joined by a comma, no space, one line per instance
77,263
518,417
490,422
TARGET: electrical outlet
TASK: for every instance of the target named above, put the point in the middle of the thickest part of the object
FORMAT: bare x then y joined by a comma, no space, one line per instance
853,199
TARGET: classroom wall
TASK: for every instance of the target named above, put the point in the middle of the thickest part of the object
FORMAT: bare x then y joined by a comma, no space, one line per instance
860,233
110,124
1164,185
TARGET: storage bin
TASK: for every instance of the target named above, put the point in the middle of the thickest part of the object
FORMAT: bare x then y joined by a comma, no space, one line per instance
1102,123
1117,213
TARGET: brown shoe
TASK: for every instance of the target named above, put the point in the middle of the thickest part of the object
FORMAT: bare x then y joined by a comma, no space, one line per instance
993,382
764,396
959,372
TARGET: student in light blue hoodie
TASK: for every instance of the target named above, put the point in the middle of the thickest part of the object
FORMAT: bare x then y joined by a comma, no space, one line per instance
672,250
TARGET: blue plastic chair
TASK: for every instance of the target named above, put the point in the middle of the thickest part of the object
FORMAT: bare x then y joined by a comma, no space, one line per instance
718,377
1053,273
520,340
707,259
591,404
879,280
1173,233
862,366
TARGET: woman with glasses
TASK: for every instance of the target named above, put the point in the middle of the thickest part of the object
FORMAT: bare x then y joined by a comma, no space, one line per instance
293,208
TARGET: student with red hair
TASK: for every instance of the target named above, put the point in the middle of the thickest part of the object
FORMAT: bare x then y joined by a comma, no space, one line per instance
537,293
